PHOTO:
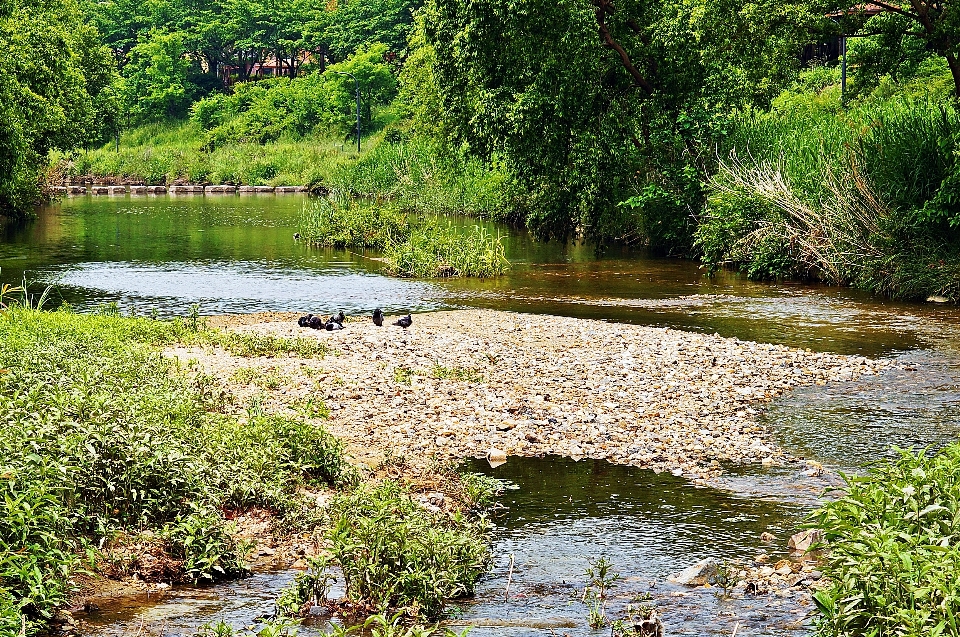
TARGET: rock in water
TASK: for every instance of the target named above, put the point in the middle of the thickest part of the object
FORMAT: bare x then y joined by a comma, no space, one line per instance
802,541
496,457
696,575
378,317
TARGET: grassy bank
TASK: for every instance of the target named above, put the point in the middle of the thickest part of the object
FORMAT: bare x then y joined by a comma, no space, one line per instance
112,453
412,245
893,562
413,173
861,196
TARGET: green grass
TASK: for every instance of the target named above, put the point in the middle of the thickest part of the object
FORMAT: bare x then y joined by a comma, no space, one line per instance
864,196
101,436
412,246
893,564
163,153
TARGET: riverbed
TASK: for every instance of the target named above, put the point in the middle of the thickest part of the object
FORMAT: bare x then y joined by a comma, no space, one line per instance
237,255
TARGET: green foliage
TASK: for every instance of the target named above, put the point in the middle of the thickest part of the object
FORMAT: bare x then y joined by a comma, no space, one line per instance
265,111
580,129
397,556
100,434
412,247
863,196
358,23
155,84
353,225
52,89
440,250
893,564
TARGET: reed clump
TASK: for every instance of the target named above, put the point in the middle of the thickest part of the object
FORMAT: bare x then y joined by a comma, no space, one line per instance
412,246
864,197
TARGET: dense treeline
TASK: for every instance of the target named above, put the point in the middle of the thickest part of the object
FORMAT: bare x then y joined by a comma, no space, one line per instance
618,120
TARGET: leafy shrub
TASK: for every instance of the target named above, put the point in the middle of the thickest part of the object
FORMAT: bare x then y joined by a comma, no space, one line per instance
396,555
100,434
893,562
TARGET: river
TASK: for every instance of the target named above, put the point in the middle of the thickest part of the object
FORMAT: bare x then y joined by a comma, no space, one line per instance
236,254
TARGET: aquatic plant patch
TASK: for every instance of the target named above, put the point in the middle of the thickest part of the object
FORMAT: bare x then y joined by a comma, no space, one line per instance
893,561
412,246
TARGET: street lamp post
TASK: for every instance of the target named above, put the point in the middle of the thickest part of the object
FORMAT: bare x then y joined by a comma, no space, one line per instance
357,84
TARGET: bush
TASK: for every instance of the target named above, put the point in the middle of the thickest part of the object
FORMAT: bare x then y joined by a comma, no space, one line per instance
99,434
395,555
861,197
893,562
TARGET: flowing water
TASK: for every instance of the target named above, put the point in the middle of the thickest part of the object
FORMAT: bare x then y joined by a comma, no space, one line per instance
237,254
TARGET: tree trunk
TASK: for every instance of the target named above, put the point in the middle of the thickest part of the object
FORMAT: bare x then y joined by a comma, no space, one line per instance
954,65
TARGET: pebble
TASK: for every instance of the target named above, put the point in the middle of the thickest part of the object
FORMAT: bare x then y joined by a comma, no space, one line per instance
650,397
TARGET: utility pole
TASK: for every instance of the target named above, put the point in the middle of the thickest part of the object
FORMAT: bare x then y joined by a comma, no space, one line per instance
357,84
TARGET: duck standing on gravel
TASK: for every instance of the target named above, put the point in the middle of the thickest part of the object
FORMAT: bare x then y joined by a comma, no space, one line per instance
378,317
339,318
405,322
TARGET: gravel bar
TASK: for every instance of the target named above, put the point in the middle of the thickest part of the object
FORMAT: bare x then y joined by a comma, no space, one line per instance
458,383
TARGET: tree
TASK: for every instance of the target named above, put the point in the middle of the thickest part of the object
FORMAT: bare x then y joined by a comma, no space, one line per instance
593,102
359,23
156,84
906,32
53,76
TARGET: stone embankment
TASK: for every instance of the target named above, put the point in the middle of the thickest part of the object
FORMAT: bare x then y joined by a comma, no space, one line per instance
457,384
177,189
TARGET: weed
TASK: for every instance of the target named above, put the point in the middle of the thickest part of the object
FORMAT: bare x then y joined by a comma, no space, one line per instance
727,577
601,579
252,345
245,375
894,565
402,375
311,587
100,434
460,374
396,556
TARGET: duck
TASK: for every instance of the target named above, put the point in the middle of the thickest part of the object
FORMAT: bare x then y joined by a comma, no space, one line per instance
316,322
332,325
296,236
339,318
378,317
304,321
405,322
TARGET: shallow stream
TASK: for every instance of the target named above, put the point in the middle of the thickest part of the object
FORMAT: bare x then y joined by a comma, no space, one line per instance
237,254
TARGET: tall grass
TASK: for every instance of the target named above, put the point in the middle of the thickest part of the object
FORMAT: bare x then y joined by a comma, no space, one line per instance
851,197
101,436
893,564
440,250
412,245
